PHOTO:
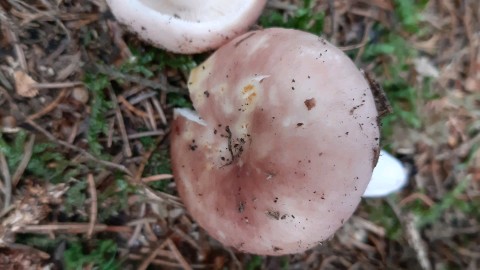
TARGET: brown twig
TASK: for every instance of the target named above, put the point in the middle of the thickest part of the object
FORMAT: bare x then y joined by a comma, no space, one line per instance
140,221
151,257
50,107
70,228
187,238
159,109
7,183
138,226
132,108
178,255
417,196
141,97
151,116
164,263
149,233
111,124
145,158
24,162
121,123
157,177
93,205
56,85
146,134
161,196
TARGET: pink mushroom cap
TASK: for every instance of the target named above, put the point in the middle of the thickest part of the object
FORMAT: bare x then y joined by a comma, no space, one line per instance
284,143
186,26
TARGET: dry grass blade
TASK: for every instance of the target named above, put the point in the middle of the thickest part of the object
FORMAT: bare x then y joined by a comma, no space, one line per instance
50,107
121,123
185,265
70,228
132,108
157,177
147,134
57,85
138,226
144,265
160,111
93,205
7,183
25,160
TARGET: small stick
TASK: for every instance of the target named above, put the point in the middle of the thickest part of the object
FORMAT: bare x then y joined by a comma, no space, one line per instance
132,108
111,124
145,158
7,183
24,162
121,123
70,228
93,206
146,134
50,107
151,257
178,255
157,177
73,133
141,97
138,226
159,262
134,136
135,235
56,85
333,29
141,220
159,109
187,238
149,233
414,196
151,117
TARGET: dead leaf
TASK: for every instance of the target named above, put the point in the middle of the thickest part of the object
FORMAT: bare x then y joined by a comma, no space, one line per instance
426,68
24,84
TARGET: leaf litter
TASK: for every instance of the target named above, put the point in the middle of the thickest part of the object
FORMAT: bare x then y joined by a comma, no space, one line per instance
85,111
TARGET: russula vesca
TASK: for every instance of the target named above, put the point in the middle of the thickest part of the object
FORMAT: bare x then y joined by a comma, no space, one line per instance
187,26
284,143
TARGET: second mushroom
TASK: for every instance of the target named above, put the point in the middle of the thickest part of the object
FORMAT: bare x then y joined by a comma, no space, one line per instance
284,143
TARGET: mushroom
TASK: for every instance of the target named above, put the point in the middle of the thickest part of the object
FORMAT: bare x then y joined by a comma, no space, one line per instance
283,145
186,26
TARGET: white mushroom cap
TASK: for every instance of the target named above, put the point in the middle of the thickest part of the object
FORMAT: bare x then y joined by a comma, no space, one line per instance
284,143
184,26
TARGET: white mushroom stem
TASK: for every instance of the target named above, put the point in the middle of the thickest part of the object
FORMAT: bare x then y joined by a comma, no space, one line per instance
389,176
